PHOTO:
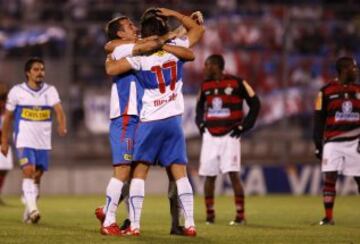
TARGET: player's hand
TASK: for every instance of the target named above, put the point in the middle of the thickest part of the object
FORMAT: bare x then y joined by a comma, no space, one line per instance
318,153
201,128
237,131
62,131
198,17
4,149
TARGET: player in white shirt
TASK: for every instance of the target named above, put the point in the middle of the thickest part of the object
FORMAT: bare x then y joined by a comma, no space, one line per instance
6,163
123,119
29,108
159,137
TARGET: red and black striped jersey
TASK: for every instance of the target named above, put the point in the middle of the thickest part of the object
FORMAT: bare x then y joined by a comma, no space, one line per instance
220,104
338,109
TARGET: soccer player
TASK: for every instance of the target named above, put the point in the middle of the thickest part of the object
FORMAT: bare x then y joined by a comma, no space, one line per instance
6,162
31,105
159,137
122,34
124,118
337,131
221,121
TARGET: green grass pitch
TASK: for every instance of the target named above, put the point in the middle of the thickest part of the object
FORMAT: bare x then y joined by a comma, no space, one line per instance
271,219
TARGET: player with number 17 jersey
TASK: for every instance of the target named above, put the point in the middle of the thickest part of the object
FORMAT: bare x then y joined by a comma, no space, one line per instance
162,103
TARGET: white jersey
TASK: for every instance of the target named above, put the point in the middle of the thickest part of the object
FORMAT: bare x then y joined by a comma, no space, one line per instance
32,115
160,75
123,99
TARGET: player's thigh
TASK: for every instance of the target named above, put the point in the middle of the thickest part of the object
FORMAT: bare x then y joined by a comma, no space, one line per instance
26,157
230,157
122,132
148,142
173,149
209,156
42,159
333,157
352,159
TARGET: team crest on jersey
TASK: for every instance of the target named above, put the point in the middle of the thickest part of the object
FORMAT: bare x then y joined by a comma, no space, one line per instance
217,109
347,113
228,90
160,53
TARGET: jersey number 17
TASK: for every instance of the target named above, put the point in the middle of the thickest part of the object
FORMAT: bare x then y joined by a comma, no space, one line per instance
158,70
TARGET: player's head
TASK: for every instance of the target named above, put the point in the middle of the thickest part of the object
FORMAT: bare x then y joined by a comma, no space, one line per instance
153,24
35,70
347,69
214,66
121,28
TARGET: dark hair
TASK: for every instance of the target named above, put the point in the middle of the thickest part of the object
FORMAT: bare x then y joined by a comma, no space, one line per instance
113,26
342,63
153,25
29,63
218,60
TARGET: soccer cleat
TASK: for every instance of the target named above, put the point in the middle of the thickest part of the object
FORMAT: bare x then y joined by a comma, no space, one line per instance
34,216
326,221
238,221
99,213
133,232
191,231
210,219
111,230
177,230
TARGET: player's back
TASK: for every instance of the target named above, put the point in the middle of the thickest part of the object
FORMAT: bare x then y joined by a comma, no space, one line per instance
125,88
160,75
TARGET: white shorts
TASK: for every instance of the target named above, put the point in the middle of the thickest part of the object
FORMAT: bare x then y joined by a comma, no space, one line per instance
219,154
342,157
6,163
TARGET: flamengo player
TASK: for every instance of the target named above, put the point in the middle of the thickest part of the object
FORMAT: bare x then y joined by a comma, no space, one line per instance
337,131
160,136
31,104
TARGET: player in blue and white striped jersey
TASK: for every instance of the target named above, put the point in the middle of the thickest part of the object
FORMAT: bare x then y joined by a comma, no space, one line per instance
30,106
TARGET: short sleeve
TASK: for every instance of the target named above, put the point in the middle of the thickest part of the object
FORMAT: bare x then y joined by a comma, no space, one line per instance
53,97
12,100
123,51
135,62
181,41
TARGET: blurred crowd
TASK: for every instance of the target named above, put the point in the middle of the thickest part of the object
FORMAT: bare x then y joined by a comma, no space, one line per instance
274,46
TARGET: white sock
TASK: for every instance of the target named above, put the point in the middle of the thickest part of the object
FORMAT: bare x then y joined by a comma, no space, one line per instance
186,199
113,192
37,190
29,191
136,199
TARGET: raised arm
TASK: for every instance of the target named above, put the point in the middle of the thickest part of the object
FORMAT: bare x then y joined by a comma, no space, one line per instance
6,131
117,67
194,31
142,46
180,52
61,119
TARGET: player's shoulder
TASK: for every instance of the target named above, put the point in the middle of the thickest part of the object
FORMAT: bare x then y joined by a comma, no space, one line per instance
331,85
